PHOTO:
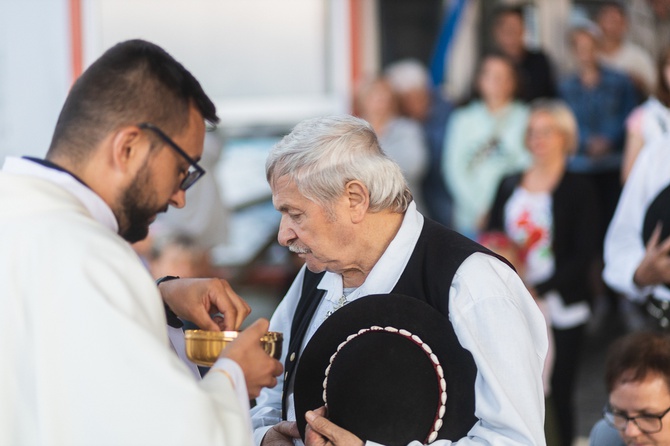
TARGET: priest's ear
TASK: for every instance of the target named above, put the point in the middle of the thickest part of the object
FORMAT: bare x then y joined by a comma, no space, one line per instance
128,147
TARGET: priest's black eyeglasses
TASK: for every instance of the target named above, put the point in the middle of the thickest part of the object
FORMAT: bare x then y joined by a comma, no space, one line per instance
195,172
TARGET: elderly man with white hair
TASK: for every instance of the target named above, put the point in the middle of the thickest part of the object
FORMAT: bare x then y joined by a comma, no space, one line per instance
347,212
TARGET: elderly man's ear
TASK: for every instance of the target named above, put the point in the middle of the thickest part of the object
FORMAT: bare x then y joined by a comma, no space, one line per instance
359,200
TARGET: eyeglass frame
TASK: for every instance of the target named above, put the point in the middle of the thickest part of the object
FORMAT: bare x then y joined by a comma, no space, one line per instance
607,410
192,176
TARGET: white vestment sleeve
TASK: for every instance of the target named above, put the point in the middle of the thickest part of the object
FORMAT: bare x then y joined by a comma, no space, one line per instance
624,248
233,372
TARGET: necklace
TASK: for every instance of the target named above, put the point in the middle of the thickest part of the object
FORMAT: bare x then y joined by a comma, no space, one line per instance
342,301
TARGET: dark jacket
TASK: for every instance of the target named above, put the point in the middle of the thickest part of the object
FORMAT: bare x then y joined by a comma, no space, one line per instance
575,228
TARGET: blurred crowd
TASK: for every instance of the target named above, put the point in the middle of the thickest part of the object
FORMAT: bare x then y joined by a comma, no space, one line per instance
531,164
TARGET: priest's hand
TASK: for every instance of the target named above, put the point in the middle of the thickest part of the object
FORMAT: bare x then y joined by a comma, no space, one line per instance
197,299
321,432
281,434
260,369
655,266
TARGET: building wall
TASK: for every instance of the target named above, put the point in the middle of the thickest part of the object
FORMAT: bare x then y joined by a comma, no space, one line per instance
34,73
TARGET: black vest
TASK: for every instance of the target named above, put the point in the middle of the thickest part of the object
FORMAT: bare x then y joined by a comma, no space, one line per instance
438,253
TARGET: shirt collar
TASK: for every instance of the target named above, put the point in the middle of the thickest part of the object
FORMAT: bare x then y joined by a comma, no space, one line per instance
386,272
46,170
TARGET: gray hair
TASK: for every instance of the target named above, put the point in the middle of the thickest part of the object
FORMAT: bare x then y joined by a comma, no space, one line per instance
563,117
321,155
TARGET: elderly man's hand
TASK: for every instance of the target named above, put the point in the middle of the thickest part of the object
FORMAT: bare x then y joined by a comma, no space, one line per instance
197,299
655,266
281,434
260,369
321,432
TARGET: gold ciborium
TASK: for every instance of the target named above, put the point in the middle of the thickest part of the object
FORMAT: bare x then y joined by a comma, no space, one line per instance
204,347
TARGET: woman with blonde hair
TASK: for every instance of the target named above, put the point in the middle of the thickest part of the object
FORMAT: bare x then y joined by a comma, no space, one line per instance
550,214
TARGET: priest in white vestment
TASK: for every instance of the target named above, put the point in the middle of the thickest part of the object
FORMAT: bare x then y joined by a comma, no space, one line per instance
85,352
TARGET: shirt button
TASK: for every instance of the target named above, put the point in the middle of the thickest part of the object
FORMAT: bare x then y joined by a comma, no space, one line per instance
292,357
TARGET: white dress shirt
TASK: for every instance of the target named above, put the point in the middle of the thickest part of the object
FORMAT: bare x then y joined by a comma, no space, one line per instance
494,317
624,247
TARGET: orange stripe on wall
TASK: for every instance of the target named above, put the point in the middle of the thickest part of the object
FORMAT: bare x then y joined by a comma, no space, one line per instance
75,38
355,26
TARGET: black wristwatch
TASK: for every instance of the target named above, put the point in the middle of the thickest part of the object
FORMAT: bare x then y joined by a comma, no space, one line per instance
165,279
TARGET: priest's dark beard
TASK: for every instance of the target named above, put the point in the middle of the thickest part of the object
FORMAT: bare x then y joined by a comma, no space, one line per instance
137,207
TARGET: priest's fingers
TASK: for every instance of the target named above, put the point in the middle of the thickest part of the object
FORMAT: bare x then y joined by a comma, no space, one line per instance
260,369
330,432
188,299
196,299
223,298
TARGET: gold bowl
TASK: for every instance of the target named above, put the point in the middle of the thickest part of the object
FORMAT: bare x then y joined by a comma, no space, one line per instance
204,347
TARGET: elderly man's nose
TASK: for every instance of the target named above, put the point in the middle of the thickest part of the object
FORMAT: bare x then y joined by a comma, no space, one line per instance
285,234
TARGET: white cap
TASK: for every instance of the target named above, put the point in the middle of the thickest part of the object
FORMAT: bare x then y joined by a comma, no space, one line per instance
406,75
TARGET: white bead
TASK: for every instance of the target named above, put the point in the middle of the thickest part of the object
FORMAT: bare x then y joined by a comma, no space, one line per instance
434,359
350,337
328,369
440,372
376,328
443,409
432,437
443,398
391,329
405,332
427,348
443,385
438,425
417,339
324,396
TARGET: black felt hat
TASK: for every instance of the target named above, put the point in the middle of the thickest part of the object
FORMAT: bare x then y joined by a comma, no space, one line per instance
376,364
